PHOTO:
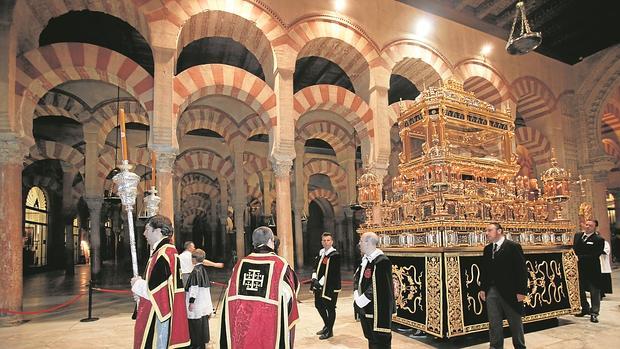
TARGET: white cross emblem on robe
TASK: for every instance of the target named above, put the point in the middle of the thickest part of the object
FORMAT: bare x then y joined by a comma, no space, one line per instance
253,279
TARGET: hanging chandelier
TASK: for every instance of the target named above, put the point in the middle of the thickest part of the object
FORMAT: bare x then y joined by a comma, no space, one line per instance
526,40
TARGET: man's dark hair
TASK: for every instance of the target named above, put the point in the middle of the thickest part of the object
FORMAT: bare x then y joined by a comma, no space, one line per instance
497,226
593,220
163,223
186,244
327,234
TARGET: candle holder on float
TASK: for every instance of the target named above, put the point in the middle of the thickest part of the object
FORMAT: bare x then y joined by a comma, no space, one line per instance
556,187
369,195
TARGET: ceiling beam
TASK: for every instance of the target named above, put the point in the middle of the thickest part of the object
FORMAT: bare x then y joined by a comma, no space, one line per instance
492,7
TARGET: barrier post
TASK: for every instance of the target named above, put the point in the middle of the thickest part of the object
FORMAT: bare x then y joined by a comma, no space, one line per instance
90,304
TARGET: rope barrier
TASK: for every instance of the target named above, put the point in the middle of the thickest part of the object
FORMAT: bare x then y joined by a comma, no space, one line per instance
108,290
49,310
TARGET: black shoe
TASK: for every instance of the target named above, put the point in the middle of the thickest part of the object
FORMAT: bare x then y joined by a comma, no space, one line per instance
327,334
594,318
322,331
582,314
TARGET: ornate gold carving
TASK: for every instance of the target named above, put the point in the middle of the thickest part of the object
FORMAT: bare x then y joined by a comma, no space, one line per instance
453,291
571,275
434,311
407,287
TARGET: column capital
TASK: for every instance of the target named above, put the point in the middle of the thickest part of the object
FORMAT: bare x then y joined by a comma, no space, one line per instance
94,203
165,160
282,168
12,149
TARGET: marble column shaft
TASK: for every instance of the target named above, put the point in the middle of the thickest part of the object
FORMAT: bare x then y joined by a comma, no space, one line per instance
94,208
239,200
11,221
282,170
165,185
68,212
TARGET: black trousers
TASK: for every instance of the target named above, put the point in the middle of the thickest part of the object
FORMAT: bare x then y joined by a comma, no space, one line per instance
199,332
327,309
595,297
497,310
376,340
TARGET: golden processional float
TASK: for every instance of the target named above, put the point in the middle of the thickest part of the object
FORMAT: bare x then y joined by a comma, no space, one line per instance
433,227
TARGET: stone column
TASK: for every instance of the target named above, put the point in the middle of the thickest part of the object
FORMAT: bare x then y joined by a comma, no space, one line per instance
11,220
267,199
68,212
599,203
223,214
282,170
300,192
165,185
239,193
94,209
349,167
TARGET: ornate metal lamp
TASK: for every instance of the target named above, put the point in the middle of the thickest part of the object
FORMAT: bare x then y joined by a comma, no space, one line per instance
556,187
127,184
527,40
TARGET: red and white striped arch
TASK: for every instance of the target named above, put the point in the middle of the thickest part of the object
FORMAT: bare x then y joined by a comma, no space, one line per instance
220,79
106,116
252,125
43,150
484,90
338,100
332,133
322,193
200,187
611,121
253,163
484,81
331,169
418,62
230,25
536,143
107,162
40,70
534,99
257,13
196,159
208,118
334,41
611,148
37,14
59,104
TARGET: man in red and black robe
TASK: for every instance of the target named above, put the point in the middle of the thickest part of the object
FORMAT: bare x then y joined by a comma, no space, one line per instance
260,307
161,320
374,293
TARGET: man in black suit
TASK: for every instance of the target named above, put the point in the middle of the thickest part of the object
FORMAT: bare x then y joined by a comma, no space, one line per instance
326,284
503,286
374,293
588,247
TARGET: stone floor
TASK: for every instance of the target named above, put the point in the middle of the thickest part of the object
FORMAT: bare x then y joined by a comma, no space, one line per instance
114,328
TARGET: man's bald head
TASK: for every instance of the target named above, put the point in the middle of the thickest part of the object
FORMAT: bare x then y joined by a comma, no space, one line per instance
368,242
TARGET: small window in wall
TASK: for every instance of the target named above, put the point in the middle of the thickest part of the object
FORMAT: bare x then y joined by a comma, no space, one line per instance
35,229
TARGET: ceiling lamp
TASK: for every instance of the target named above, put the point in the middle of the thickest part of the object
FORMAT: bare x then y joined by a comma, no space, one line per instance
526,40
